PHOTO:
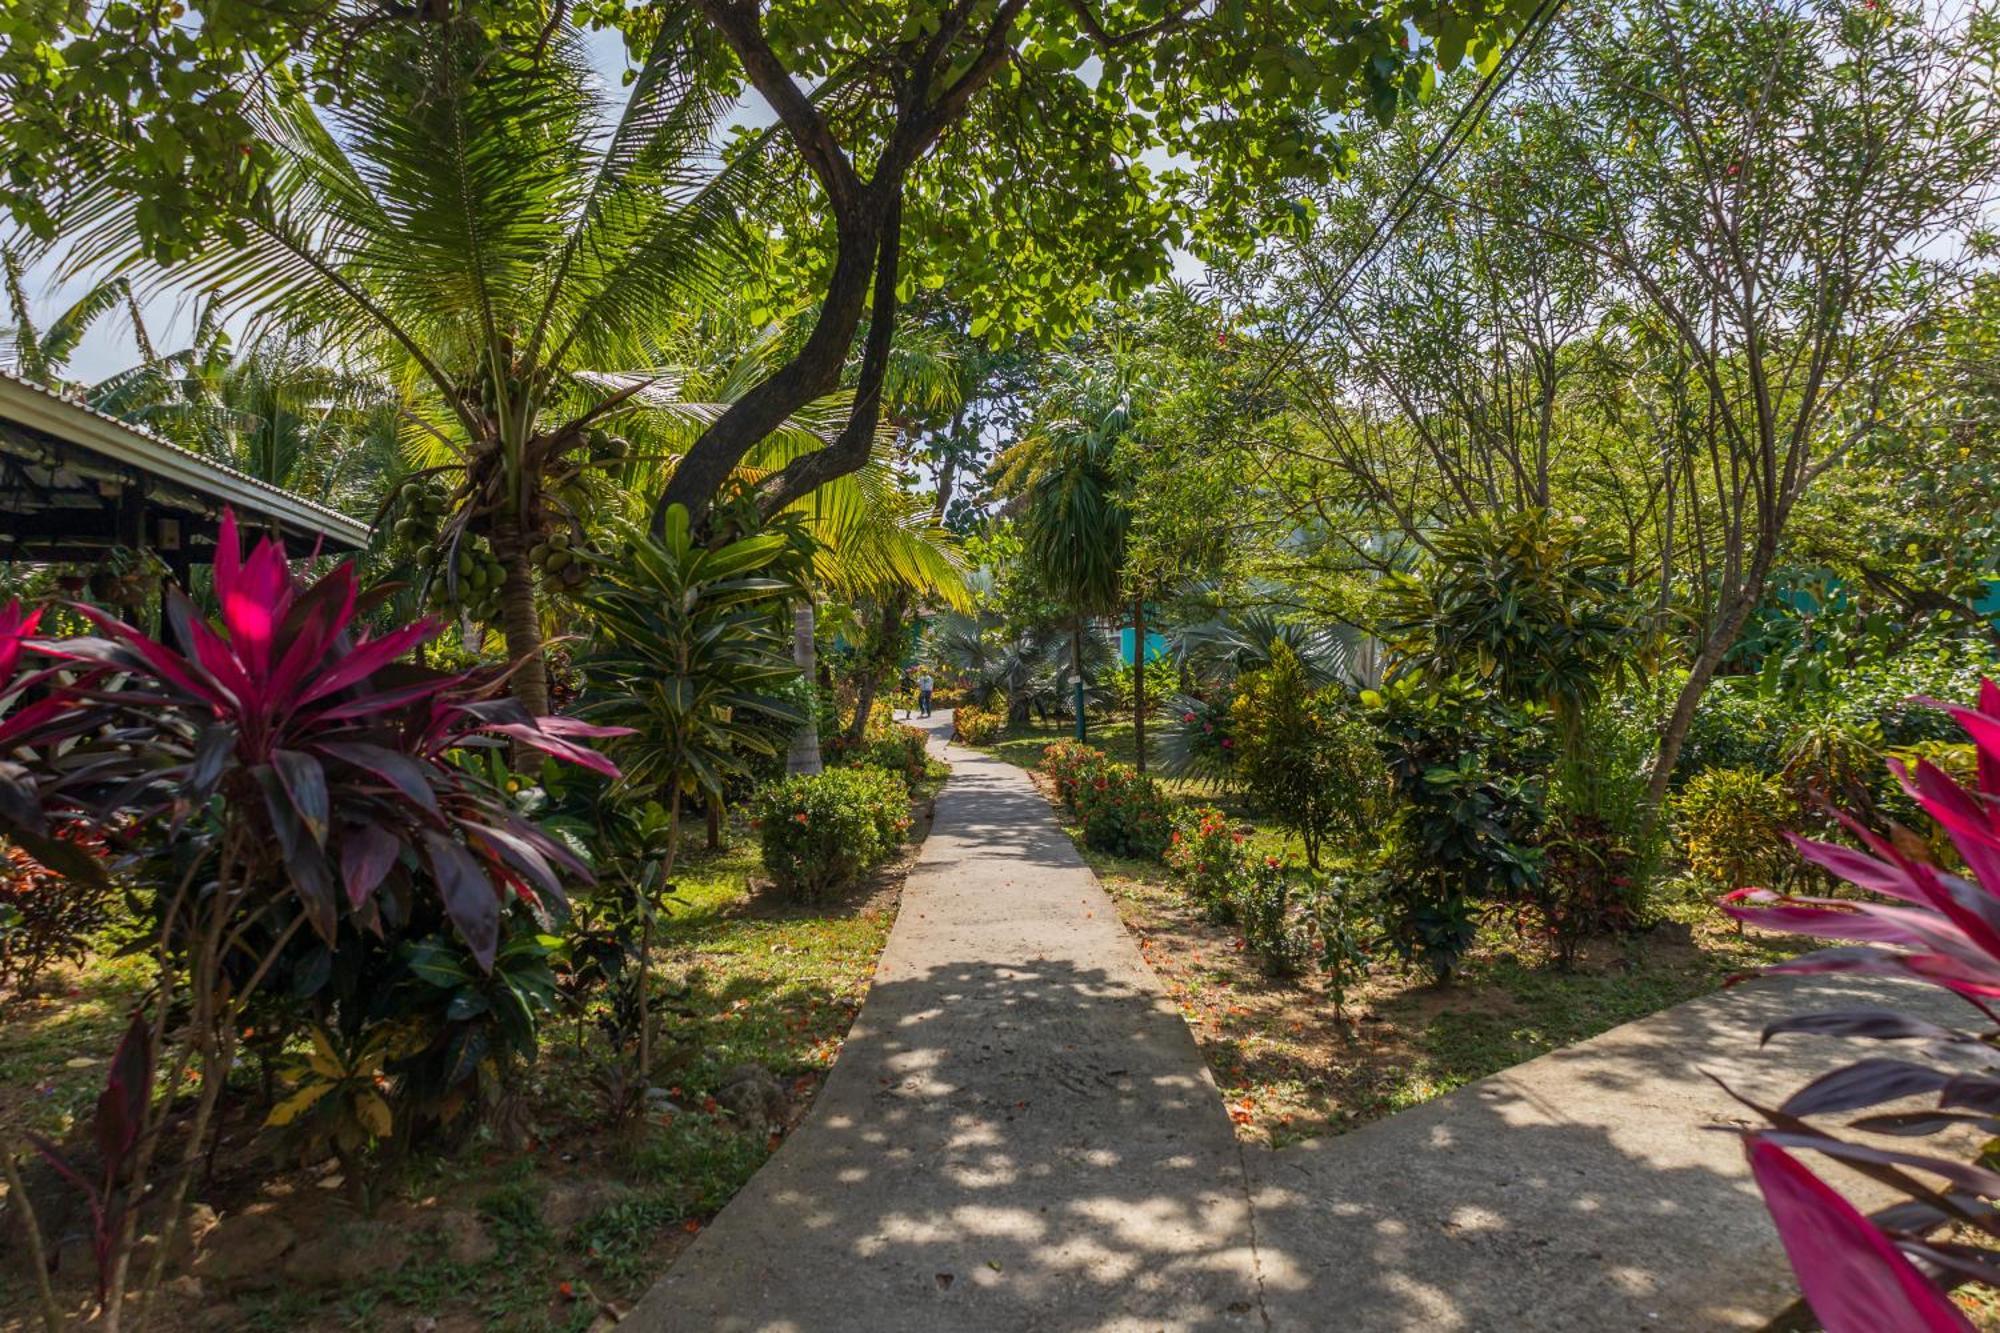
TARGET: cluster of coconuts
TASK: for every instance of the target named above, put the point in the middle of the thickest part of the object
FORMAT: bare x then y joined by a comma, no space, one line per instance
420,512
479,574
558,559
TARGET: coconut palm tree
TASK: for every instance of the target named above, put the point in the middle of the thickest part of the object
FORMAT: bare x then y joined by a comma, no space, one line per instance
474,222
43,354
1075,515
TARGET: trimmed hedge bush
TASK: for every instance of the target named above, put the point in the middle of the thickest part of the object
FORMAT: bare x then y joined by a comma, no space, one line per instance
819,832
1124,813
1121,811
977,726
1066,763
889,746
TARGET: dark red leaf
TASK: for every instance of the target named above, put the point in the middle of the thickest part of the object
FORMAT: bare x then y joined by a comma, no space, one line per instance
469,896
366,854
1864,1083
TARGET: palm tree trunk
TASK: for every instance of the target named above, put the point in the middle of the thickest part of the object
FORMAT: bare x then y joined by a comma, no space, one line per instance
1139,680
804,754
521,622
1076,674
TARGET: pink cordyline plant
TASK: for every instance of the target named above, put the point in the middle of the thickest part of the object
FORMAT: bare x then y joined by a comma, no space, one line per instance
1920,921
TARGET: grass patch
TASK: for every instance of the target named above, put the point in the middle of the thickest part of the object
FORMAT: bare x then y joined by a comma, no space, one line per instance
587,1216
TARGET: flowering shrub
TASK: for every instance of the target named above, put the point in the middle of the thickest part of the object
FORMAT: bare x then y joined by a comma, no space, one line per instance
1197,738
889,746
46,915
819,832
1208,856
1732,822
1123,812
977,726
1939,928
1066,764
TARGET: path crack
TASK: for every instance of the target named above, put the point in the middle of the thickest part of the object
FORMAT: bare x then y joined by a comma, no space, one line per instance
1250,1212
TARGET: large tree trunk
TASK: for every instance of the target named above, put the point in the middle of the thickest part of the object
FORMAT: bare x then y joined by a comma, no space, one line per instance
804,754
1735,611
1139,680
521,622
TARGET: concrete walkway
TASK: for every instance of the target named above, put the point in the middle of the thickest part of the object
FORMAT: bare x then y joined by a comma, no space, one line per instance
1020,1134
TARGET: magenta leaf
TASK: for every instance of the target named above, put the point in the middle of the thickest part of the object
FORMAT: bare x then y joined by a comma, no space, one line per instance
1852,1275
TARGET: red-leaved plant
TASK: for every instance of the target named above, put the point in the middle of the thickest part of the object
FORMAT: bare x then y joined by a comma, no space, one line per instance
292,771
1919,921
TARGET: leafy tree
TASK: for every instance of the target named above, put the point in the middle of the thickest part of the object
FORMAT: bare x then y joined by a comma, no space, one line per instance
948,144
1072,481
690,657
1533,607
466,215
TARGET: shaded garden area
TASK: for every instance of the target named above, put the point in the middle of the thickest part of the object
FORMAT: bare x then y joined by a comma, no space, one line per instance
1480,516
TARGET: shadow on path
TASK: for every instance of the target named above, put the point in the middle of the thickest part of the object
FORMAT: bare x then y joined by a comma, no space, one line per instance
1020,1134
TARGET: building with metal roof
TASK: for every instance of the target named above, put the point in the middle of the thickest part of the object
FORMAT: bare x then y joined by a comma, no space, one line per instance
77,484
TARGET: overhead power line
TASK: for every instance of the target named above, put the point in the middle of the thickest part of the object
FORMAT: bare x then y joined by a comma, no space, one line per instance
1463,126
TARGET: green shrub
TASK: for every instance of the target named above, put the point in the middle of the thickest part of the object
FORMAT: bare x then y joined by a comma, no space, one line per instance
889,746
819,832
1732,823
1066,764
1209,857
1306,759
1281,938
978,726
1123,812
1466,767
1346,928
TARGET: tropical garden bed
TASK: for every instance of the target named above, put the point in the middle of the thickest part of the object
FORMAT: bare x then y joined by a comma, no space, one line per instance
556,1232
1293,1064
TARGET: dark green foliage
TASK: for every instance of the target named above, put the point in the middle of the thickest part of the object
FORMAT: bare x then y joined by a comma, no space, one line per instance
1533,607
691,654
1267,894
820,831
1467,771
1346,929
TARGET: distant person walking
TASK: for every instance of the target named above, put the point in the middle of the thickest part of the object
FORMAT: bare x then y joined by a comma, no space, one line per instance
924,683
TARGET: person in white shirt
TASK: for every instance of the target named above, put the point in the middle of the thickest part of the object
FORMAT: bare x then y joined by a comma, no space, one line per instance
924,684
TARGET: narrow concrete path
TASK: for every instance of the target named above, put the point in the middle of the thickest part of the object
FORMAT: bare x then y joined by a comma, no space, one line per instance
1021,1135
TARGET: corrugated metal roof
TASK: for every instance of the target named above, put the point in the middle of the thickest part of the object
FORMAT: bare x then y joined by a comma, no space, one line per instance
41,408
